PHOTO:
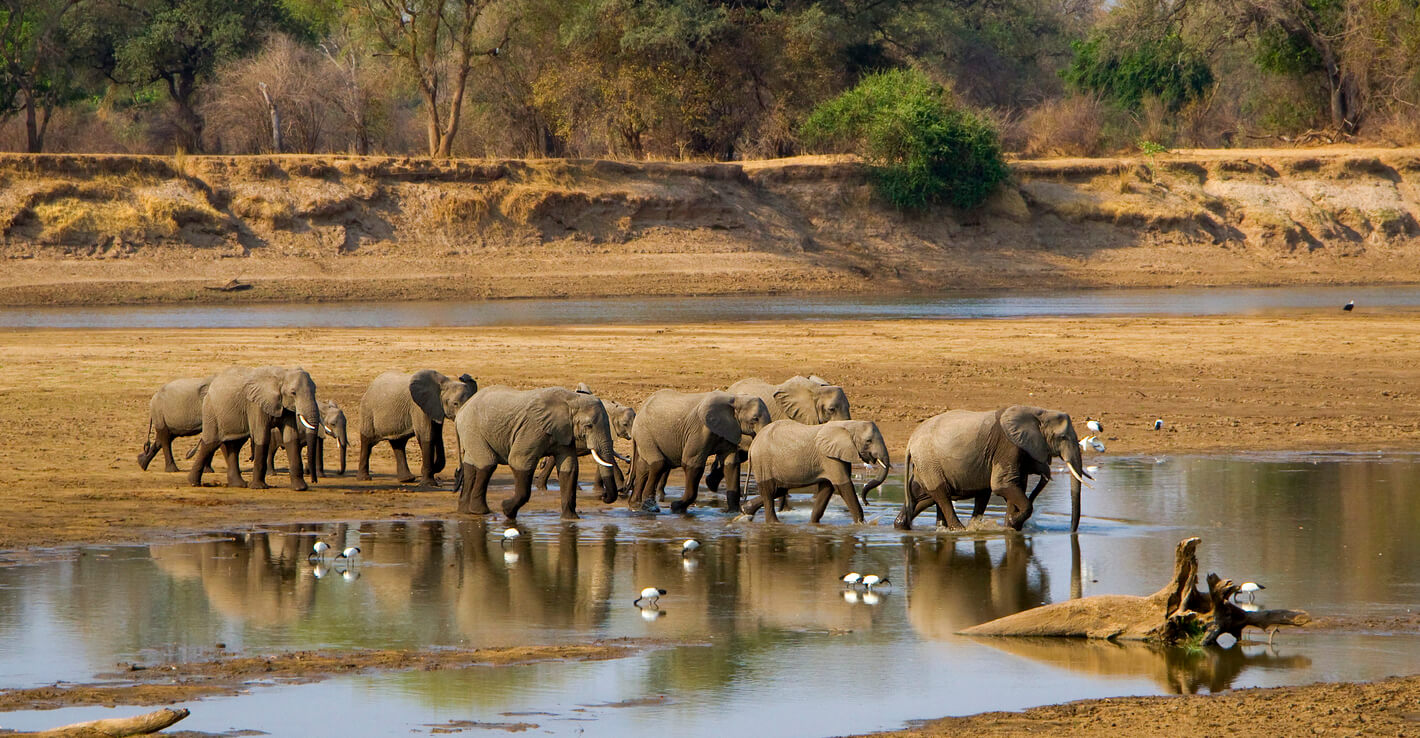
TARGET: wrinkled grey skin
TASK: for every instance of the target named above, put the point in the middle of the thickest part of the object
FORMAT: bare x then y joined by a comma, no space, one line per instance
502,425
677,429
174,412
963,454
398,406
787,454
810,400
244,403
621,418
332,425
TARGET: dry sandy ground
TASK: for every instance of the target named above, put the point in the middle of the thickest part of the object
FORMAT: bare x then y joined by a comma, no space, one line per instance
73,403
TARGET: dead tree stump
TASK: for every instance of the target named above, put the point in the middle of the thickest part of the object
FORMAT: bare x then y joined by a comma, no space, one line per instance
144,724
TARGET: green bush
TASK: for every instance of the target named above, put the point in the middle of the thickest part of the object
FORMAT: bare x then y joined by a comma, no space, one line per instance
924,147
1163,67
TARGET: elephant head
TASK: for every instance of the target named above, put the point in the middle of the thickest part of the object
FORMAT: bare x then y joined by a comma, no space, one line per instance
811,400
853,441
438,396
277,391
1045,434
591,431
332,422
621,417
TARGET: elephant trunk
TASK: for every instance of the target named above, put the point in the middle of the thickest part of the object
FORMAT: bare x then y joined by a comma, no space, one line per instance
883,468
313,454
341,442
1072,464
604,455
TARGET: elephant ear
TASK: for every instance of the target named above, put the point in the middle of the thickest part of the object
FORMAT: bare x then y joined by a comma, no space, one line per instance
425,388
553,416
264,391
816,379
835,442
1022,426
583,389
797,405
719,417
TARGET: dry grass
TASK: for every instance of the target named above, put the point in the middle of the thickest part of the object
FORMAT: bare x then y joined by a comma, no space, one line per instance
1072,126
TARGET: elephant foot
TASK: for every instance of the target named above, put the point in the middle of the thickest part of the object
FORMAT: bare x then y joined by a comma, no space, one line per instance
510,510
482,510
170,468
405,480
252,485
650,506
679,507
300,486
363,476
429,482
570,515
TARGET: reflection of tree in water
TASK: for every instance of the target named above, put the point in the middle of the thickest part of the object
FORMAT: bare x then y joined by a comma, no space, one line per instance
1176,670
954,584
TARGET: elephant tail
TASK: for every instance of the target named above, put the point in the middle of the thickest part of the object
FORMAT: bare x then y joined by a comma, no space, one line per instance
148,439
908,502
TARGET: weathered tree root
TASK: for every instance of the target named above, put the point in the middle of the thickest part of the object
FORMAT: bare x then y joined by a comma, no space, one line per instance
144,724
1175,614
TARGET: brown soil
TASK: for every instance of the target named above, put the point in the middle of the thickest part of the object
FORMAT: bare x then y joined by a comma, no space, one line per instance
162,684
1384,708
76,400
112,229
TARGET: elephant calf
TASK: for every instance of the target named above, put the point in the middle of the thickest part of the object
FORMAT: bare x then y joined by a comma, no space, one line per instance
502,425
678,429
810,400
244,403
332,425
621,418
398,406
971,455
788,454
174,412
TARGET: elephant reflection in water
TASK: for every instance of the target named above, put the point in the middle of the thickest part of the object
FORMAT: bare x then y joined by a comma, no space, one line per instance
955,584
1175,669
256,578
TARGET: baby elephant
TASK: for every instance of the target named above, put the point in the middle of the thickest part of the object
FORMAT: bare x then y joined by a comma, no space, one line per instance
787,454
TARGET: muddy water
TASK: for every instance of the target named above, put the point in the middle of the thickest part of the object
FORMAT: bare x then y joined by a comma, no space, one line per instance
773,643
955,305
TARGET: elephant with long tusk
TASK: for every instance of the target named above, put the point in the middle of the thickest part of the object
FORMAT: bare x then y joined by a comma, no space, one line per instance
243,403
621,417
962,454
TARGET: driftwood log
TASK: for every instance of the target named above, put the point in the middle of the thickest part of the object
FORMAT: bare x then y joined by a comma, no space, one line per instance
144,724
1177,613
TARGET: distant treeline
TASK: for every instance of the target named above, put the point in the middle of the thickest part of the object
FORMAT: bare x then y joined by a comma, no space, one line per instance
704,79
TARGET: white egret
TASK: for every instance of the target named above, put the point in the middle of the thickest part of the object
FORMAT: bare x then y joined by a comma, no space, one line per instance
1250,589
650,594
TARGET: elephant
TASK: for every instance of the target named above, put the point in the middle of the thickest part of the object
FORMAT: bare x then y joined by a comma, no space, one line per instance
788,454
397,406
332,425
962,454
810,400
621,418
174,412
244,403
503,425
679,429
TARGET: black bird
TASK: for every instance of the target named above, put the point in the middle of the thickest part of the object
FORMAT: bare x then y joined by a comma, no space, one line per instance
1349,306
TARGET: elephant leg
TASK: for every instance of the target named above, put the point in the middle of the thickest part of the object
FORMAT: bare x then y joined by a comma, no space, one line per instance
436,442
784,505
165,439
567,480
979,507
317,459
362,469
942,496
293,460
401,463
1017,506
733,493
204,457
232,454
1039,485
522,492
661,488
259,458
692,488
653,473
271,448
473,493
544,472
821,497
717,472
768,488
850,498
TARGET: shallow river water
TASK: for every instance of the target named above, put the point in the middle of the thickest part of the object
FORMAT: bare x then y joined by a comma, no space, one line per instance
951,305
772,645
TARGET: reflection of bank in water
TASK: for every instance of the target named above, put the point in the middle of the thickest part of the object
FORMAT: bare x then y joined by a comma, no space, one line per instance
1177,670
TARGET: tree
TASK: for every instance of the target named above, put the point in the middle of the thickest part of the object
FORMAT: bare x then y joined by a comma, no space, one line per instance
36,69
438,41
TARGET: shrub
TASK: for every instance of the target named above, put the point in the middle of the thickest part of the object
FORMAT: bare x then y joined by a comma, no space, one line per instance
924,147
1165,67
1072,126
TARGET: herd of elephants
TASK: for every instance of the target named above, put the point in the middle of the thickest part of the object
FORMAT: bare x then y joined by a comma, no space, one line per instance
798,434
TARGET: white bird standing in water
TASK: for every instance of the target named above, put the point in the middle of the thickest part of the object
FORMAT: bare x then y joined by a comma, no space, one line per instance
1250,589
348,553
1094,425
873,580
691,545
318,550
649,594
512,534
852,579
1091,442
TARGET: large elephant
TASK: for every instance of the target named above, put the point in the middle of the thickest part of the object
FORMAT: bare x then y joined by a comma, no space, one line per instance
678,429
398,406
810,400
962,454
502,425
787,454
621,418
244,403
174,412
332,425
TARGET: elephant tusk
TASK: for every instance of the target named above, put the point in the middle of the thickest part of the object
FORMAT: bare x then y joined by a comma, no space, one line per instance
620,457
326,429
880,463
302,418
599,459
1077,476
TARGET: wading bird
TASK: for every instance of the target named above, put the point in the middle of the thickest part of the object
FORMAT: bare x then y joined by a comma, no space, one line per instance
318,551
649,594
1159,424
1250,589
852,579
873,580
1094,425
348,553
689,546
1349,306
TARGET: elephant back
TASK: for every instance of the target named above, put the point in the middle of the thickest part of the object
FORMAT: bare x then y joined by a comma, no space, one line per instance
952,447
177,405
386,409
